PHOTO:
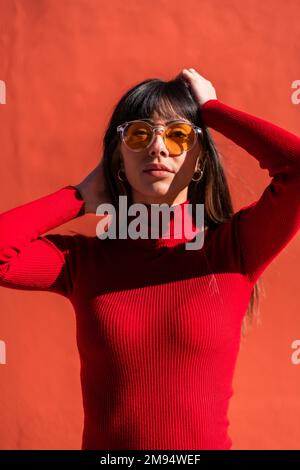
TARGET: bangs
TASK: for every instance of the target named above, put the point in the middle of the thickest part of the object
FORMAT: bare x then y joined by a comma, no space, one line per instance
156,98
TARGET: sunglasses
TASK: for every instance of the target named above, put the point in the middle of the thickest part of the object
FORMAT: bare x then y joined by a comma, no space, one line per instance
179,136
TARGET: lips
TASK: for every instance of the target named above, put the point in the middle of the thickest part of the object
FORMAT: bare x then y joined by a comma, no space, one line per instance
158,167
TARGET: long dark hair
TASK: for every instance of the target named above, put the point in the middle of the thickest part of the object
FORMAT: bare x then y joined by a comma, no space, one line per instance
168,98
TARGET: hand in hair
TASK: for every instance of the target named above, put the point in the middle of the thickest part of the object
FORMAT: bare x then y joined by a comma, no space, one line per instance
201,89
93,189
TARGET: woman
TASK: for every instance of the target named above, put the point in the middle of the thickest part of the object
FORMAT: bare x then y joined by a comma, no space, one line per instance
158,326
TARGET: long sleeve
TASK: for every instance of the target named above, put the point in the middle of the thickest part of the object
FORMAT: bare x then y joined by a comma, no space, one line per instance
29,260
266,225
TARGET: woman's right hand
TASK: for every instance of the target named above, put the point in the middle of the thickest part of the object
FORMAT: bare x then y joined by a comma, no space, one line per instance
93,189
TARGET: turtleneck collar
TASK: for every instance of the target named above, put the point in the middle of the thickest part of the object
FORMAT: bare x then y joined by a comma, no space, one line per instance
172,233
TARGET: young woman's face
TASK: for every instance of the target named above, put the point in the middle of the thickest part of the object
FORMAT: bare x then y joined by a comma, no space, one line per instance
170,187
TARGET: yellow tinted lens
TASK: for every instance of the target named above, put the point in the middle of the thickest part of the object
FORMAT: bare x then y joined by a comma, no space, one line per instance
137,135
179,138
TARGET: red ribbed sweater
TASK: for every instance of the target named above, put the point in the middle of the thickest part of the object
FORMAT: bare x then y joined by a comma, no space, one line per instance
158,326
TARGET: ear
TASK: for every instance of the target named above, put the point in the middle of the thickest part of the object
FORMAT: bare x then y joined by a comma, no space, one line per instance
197,164
121,160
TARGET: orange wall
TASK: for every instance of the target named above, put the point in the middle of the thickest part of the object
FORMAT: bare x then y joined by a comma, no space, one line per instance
65,64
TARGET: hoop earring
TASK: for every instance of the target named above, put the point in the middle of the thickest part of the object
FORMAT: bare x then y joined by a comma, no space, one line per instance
200,175
118,175
200,171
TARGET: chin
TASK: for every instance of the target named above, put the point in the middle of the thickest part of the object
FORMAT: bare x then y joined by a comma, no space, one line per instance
157,190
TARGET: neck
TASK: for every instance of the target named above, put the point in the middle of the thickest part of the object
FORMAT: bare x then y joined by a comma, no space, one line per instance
180,198
155,227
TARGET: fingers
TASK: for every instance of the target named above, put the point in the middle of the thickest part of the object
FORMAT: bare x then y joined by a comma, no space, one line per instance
188,72
191,72
201,88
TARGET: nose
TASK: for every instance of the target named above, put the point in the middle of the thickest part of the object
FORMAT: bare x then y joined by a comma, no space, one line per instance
158,146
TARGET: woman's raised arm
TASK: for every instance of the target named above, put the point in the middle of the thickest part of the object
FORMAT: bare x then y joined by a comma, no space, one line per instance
266,225
31,261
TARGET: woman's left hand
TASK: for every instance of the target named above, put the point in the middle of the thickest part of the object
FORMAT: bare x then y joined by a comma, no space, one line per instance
201,88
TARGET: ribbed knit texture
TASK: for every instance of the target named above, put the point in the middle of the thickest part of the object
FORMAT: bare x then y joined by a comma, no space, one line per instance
158,326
